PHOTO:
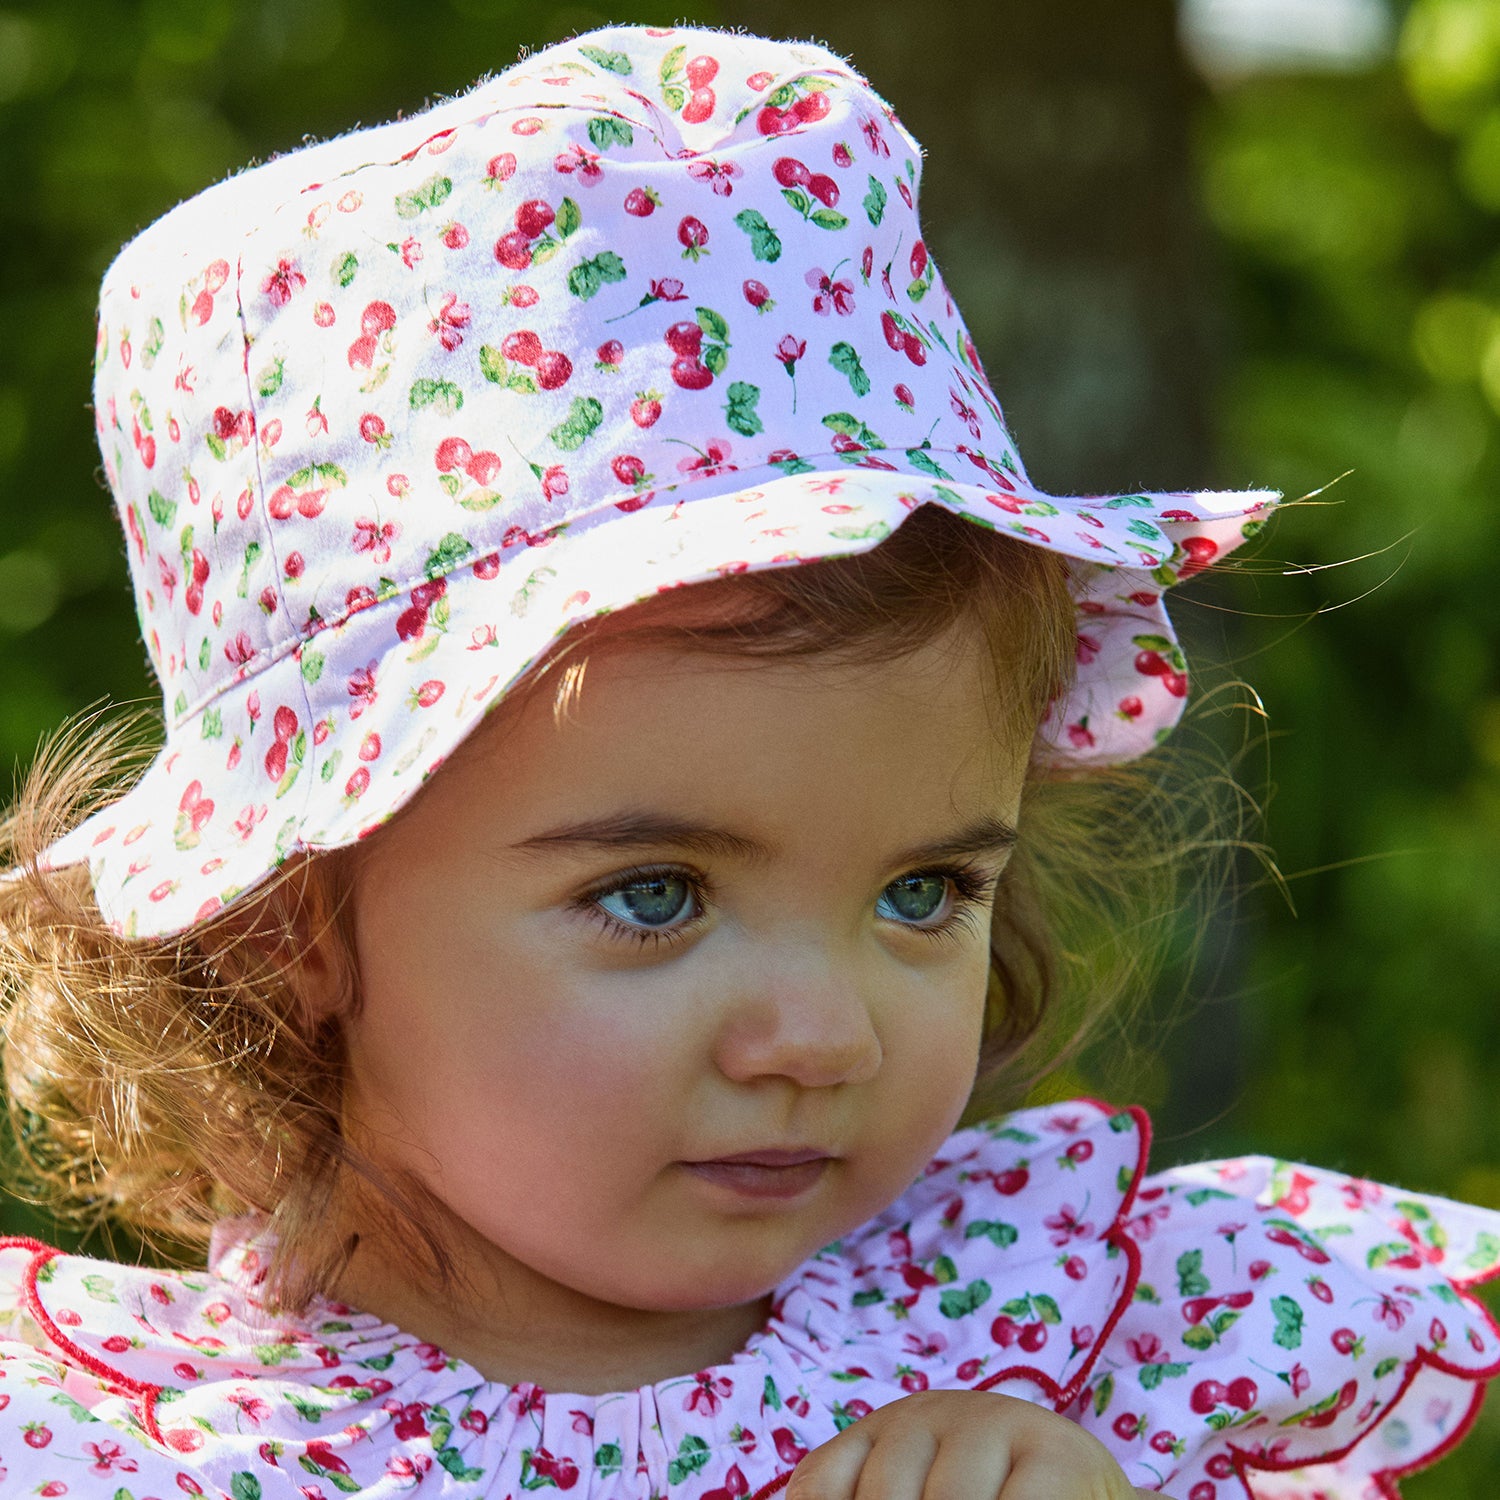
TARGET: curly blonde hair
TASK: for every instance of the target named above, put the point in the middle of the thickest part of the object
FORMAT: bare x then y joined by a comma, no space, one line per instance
164,1083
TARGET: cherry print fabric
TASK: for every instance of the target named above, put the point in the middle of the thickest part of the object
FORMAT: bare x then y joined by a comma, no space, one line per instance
1237,1328
384,416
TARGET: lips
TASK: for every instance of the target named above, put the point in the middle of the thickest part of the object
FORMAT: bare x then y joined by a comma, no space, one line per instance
765,1174
777,1158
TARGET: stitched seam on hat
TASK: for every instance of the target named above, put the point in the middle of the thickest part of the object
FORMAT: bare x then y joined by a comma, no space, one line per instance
746,479
260,500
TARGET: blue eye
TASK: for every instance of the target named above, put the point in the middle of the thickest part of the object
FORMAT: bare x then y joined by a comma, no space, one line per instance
914,899
651,901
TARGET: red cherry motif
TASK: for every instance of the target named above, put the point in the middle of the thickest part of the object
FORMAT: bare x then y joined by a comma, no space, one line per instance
1205,1489
553,368
685,339
534,218
692,233
627,467
429,692
513,251
824,189
1163,1442
790,172
610,353
1128,1426
1033,1337
811,108
1242,1393
1201,551
1075,1268
501,168
1011,1181
455,237
788,1449
913,1381
487,567
523,346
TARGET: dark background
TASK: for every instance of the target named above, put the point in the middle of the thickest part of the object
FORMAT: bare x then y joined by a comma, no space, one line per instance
1187,263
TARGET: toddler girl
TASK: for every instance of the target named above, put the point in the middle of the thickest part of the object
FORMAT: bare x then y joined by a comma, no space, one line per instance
553,993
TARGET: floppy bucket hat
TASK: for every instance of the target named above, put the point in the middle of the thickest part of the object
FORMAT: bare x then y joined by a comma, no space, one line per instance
385,416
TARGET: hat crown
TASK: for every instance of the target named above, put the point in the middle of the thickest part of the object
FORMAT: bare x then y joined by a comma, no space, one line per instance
639,260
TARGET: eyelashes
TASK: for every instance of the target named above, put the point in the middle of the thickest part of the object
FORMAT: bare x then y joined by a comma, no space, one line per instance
970,892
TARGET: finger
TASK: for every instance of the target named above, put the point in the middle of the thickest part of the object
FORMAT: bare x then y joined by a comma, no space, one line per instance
831,1471
897,1466
1090,1476
968,1470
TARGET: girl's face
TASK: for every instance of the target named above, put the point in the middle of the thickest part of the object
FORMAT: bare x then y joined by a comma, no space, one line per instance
714,907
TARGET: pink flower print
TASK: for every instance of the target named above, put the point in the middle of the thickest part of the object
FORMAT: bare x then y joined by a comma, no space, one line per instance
1360,1194
239,650
411,252
1298,1378
582,161
1080,736
667,289
925,1346
708,1392
526,1398
563,1472
1066,1225
554,481
827,292
1393,1311
109,1457
719,174
874,139
282,282
789,351
168,576
410,1470
317,423
452,319
251,1405
480,637
715,460
1147,1349
362,689
375,537
965,413
582,1422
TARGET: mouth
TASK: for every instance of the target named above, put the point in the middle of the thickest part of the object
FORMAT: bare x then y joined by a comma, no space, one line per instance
764,1174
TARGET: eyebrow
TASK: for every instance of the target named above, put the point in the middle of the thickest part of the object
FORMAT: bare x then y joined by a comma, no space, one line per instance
638,830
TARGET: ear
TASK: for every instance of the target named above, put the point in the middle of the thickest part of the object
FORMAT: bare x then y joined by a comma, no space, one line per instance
301,929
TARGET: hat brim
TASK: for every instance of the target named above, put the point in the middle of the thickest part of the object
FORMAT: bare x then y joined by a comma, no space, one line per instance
313,751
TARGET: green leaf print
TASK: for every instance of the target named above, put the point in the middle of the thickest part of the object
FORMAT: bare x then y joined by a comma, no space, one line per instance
740,412
569,217
443,394
673,95
1199,1196
1121,501
845,359
921,459
429,195
712,323
1004,1235
345,268
1191,1282
956,1303
1485,1253
850,426
155,338
312,665
1383,1369
611,62
827,218
875,201
1103,1395
213,724
163,511
205,655
1288,1323
494,366
692,1455
765,244
770,1396
268,382
608,1458
588,276
584,416
1153,1375
453,1461
876,531
244,1486
447,554
606,131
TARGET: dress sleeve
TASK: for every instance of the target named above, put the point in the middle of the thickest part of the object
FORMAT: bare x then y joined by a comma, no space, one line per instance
1294,1334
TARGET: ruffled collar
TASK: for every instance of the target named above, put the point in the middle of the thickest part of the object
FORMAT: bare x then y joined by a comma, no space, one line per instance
864,1321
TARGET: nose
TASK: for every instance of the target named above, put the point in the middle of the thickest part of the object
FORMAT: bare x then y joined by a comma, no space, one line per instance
802,1016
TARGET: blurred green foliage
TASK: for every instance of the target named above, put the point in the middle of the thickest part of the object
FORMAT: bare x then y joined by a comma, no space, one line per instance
1356,218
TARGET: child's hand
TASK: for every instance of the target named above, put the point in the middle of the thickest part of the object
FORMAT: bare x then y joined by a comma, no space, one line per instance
961,1445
